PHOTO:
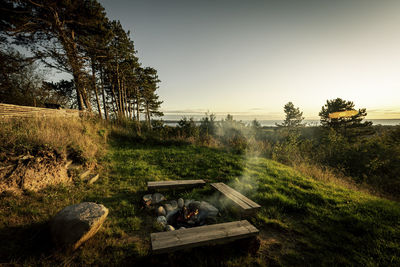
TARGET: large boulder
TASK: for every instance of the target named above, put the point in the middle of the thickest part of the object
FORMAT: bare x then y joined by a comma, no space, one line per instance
77,223
210,209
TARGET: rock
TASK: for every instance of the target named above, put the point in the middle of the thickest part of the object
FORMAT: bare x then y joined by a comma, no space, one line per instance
157,198
147,198
169,208
161,211
169,228
173,204
188,201
77,223
180,203
180,228
210,209
162,221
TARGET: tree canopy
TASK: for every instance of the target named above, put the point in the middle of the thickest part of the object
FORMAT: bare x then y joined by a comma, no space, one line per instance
76,37
345,121
293,118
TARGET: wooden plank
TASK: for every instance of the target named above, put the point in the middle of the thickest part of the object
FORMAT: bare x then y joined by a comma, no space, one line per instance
203,235
243,202
175,184
243,205
239,195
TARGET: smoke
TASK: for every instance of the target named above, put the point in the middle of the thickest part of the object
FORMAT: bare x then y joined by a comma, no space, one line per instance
242,139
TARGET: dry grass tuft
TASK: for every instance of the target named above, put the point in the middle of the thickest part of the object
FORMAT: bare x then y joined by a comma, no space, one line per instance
325,174
86,137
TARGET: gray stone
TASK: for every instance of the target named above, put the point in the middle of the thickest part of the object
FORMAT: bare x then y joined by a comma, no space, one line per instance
161,211
169,208
157,198
180,228
162,221
181,202
173,204
194,205
210,209
147,198
169,228
75,224
188,201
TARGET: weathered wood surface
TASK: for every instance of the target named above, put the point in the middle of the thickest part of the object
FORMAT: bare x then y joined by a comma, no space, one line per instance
203,235
16,111
240,200
175,184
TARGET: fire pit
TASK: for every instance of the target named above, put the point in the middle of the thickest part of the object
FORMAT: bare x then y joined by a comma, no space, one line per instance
180,214
195,221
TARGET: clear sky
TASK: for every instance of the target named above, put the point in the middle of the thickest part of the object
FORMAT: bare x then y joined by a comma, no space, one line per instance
252,57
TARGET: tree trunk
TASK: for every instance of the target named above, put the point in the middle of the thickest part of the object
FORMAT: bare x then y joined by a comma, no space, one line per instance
126,98
138,110
103,94
79,98
147,115
119,93
116,111
95,88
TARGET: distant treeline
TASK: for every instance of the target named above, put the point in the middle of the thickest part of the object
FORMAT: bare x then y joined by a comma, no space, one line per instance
75,37
340,146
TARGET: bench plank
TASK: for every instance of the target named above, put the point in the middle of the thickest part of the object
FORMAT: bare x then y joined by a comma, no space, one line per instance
229,195
203,235
239,199
239,195
175,184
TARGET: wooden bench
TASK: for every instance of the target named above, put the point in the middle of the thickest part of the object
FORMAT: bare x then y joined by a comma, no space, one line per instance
203,235
245,205
175,184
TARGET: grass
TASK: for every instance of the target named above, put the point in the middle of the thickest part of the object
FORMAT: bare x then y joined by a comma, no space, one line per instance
80,138
302,221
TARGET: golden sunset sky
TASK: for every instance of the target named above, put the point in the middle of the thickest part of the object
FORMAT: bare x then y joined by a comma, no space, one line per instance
252,57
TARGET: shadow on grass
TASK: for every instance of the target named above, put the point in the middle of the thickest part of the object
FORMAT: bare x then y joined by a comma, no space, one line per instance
19,243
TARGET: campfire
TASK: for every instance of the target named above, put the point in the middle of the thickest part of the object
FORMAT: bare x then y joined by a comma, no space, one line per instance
180,214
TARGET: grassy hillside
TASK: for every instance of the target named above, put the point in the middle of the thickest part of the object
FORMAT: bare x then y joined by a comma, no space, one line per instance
302,221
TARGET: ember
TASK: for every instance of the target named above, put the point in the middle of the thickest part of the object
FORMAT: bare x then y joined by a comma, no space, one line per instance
186,217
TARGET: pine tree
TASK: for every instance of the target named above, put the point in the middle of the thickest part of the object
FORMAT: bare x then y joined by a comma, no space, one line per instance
51,30
293,118
340,105
150,100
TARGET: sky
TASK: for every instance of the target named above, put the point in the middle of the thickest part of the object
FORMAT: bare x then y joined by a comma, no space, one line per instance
249,58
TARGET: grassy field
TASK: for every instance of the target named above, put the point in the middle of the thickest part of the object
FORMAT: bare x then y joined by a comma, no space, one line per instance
302,221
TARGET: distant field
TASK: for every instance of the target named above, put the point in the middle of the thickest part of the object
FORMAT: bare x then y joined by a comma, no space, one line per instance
302,221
